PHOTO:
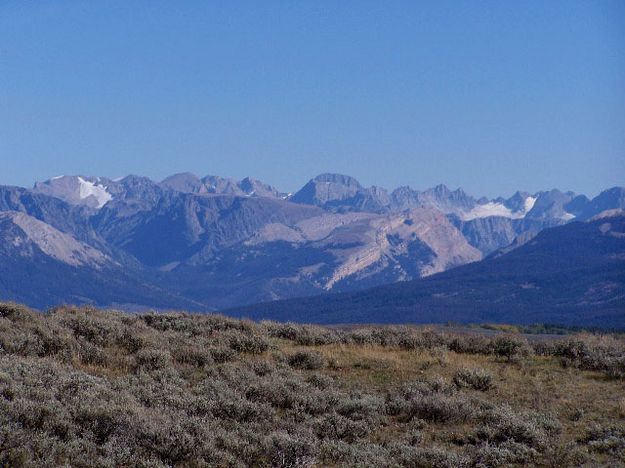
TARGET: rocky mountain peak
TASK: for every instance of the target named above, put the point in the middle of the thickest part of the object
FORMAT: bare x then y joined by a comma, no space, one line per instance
339,179
612,198
92,192
248,187
517,201
185,182
328,190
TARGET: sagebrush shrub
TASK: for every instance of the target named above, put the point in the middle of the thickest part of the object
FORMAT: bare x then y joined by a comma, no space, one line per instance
470,344
509,437
606,439
193,355
592,354
16,312
439,408
252,344
221,354
335,426
92,354
152,359
306,360
428,457
285,450
510,347
478,379
430,401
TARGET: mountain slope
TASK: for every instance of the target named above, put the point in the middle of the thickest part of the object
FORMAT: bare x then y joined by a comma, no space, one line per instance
44,267
331,251
572,274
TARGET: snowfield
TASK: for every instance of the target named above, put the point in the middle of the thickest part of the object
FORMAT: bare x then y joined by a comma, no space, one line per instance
89,189
499,209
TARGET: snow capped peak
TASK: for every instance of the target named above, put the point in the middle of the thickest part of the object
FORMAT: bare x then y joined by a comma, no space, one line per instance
90,189
77,190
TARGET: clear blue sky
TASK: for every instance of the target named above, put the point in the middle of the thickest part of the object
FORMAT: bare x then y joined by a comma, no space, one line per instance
490,96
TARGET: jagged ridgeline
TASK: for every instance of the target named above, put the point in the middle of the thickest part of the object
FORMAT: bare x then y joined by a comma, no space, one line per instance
206,243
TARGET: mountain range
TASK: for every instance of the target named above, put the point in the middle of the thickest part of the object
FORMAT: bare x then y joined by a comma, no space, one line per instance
207,243
572,274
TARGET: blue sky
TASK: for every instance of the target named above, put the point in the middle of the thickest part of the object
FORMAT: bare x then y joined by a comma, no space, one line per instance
489,96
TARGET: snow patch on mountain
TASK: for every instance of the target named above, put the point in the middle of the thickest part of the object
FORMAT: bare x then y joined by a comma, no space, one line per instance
491,208
529,204
488,209
90,189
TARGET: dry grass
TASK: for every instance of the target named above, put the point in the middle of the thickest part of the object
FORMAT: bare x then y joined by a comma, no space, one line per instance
539,383
83,387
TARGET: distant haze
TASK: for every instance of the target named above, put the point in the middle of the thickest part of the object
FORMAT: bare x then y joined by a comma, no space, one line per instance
492,97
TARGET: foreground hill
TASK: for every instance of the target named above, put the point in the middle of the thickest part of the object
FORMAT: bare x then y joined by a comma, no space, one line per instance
573,274
80,387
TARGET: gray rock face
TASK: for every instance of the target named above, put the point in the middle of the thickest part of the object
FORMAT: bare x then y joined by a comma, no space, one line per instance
445,200
256,188
185,182
439,197
610,199
404,198
516,202
328,190
551,205
341,193
488,234
190,183
26,234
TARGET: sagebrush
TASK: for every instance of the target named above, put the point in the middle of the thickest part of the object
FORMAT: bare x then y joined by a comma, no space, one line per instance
84,387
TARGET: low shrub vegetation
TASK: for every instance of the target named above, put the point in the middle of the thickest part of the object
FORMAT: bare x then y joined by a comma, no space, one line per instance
306,360
82,387
478,379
